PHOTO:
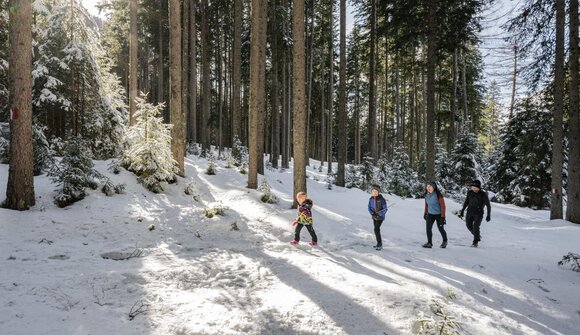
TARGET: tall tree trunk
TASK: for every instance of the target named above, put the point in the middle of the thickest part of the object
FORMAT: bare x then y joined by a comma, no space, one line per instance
177,113
185,62
276,43
309,76
285,113
342,151
431,63
299,97
206,80
237,65
132,60
330,89
451,133
398,99
220,82
467,124
257,87
557,126
514,79
372,121
357,135
160,68
20,188
193,134
573,208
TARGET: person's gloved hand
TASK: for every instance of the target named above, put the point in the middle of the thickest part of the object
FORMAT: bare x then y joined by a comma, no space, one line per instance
488,218
294,223
425,216
443,221
461,214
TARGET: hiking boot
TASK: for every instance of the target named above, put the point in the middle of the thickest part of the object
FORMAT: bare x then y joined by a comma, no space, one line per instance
444,244
379,247
427,245
474,244
294,242
313,243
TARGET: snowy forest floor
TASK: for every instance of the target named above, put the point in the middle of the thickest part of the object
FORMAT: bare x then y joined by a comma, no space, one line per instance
237,273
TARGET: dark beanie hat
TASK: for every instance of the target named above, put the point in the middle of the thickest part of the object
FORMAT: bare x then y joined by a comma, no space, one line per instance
432,183
476,183
376,187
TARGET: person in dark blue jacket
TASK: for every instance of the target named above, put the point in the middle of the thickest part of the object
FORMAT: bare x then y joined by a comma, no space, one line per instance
378,211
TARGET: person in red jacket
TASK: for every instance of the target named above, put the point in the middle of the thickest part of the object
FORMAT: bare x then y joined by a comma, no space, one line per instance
434,212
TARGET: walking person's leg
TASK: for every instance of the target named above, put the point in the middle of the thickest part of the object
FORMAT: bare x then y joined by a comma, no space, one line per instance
429,229
312,233
297,232
441,228
469,223
377,224
476,227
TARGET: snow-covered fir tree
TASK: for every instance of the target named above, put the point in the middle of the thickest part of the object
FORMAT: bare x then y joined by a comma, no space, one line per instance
402,179
211,165
74,173
520,174
266,190
74,91
367,173
148,147
351,178
466,161
443,169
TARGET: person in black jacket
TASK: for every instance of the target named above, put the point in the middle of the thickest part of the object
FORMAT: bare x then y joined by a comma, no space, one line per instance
378,210
474,202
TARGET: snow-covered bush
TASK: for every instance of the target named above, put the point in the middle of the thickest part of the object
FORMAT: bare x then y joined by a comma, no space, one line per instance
573,259
238,151
109,188
330,180
4,150
366,173
214,209
192,148
441,323
211,166
43,154
192,189
267,195
148,152
74,173
351,178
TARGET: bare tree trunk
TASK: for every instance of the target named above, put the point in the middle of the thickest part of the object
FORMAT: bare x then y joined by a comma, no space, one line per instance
557,126
237,75
185,60
330,89
372,122
431,63
310,56
206,80
132,60
573,208
357,137
342,127
467,124
193,134
257,88
299,97
177,113
160,68
453,103
514,81
20,188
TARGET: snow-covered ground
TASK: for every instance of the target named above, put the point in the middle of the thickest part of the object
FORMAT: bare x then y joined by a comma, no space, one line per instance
198,275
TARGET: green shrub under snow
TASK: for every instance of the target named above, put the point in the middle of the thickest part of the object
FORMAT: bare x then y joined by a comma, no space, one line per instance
148,148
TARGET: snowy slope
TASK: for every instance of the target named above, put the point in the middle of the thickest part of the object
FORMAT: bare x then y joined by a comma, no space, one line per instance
196,275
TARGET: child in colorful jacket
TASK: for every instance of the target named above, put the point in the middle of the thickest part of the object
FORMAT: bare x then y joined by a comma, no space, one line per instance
304,219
